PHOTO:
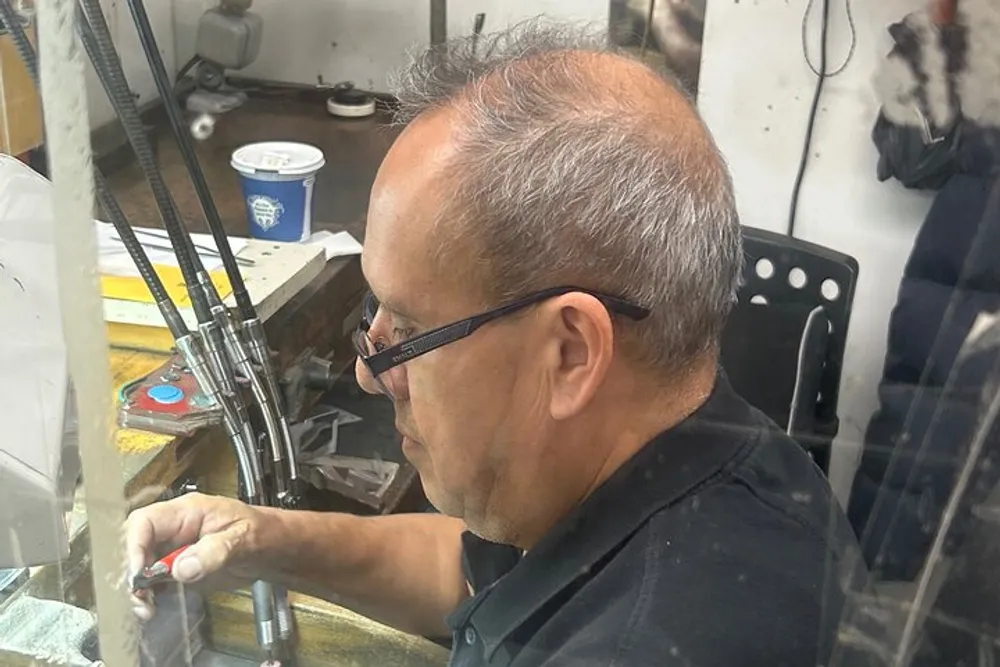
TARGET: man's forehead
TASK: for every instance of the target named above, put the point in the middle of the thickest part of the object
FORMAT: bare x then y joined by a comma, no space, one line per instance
407,202
412,179
427,144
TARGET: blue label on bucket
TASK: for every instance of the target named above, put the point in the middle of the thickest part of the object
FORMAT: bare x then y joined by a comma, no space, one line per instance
278,210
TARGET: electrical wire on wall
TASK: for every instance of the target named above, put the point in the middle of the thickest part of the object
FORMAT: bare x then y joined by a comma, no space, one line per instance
821,76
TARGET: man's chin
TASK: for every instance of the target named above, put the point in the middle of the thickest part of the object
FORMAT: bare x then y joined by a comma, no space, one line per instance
416,454
444,502
411,448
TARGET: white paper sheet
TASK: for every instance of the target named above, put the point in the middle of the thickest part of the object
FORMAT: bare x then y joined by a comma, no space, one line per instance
341,244
114,260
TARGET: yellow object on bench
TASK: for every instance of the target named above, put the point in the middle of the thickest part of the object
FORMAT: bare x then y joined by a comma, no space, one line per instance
132,288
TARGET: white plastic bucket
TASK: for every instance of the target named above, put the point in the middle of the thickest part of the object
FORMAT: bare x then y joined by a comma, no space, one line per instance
278,179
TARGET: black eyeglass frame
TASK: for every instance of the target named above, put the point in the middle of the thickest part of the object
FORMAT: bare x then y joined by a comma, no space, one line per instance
387,359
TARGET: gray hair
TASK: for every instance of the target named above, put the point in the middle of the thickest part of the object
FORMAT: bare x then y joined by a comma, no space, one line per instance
560,182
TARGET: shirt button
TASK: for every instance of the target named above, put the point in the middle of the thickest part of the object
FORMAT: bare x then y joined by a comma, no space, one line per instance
470,635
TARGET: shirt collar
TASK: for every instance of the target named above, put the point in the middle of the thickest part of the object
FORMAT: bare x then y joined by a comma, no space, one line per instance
672,466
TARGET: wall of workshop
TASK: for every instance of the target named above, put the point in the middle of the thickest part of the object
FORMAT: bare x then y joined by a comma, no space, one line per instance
324,41
133,60
754,92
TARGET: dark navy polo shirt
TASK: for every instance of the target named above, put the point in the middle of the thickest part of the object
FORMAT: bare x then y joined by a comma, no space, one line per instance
719,544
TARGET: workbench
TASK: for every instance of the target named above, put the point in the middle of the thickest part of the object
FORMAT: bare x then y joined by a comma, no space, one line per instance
152,463
320,317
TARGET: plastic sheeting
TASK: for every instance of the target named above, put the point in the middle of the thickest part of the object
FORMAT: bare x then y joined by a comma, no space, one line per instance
39,461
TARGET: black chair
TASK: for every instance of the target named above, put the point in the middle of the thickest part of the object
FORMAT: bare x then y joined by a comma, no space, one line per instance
783,348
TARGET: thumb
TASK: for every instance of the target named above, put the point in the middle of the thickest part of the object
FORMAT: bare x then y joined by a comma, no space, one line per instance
205,557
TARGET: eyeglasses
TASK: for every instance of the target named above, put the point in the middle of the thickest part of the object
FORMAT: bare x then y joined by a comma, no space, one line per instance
380,359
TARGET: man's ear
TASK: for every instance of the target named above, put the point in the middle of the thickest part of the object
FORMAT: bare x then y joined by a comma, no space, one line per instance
584,336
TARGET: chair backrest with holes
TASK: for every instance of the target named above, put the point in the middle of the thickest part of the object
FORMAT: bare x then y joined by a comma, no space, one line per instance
784,270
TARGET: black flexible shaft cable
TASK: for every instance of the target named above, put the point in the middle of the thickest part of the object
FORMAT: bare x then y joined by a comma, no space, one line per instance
107,200
187,344
213,338
252,329
96,38
186,146
264,598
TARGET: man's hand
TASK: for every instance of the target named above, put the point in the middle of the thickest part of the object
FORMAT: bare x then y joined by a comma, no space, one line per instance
404,570
221,531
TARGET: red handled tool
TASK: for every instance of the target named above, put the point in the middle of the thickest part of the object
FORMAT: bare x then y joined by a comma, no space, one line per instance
159,572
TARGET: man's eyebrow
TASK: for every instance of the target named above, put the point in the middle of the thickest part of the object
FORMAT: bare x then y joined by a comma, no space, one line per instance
390,306
397,311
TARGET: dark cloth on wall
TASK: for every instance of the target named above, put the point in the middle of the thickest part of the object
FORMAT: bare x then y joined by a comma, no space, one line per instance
952,275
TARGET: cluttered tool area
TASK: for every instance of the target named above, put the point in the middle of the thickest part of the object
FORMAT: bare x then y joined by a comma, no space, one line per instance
231,286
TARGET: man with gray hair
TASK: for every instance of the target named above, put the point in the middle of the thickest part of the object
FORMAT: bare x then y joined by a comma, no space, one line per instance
553,249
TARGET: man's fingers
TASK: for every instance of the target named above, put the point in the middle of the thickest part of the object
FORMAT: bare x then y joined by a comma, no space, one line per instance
174,521
138,543
207,556
142,605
